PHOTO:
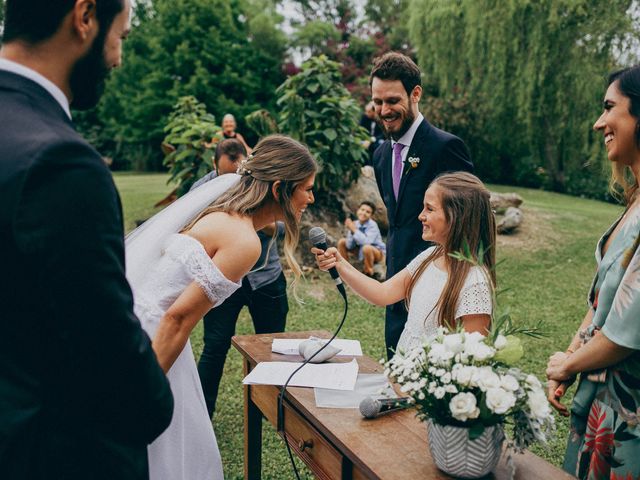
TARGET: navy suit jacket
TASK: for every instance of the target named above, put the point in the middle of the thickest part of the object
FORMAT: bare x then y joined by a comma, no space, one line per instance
81,392
439,152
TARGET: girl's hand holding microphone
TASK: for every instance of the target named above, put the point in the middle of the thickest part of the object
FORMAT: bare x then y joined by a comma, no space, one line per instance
326,259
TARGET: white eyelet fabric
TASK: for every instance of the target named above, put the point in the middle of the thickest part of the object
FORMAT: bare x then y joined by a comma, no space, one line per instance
422,321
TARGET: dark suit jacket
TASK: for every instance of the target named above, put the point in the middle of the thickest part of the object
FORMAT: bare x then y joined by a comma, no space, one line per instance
81,392
438,152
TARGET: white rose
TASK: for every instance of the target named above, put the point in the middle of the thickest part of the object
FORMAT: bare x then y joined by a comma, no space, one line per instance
486,379
454,342
464,406
464,375
446,378
480,351
439,392
438,354
533,382
450,388
473,337
499,400
500,342
509,382
538,404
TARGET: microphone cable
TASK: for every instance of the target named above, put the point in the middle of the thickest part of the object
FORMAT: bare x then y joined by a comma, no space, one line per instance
280,423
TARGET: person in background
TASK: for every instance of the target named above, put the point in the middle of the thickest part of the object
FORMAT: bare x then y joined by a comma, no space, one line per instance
263,290
229,126
376,135
363,239
604,440
226,159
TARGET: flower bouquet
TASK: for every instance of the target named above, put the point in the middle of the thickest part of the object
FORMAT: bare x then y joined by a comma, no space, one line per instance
465,387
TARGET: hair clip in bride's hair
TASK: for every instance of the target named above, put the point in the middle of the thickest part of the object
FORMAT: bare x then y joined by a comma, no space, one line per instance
242,168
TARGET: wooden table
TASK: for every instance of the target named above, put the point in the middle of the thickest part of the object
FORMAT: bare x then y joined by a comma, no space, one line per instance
340,444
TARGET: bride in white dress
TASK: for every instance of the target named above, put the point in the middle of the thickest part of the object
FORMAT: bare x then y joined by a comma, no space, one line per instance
192,256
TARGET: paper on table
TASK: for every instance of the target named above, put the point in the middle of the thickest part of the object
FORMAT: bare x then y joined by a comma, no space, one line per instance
289,346
374,385
336,376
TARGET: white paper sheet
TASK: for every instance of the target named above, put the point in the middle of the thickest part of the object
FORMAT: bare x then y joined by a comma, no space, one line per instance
336,376
289,346
374,385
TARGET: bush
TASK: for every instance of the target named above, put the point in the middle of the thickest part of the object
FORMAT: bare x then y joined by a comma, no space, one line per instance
188,151
317,110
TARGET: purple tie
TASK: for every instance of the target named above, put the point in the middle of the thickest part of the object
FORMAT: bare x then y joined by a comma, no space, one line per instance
397,168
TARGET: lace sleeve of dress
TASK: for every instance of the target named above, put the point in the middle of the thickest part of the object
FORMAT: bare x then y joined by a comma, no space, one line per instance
204,272
475,297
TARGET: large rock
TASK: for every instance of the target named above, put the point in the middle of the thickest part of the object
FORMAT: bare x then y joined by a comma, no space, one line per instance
500,202
511,220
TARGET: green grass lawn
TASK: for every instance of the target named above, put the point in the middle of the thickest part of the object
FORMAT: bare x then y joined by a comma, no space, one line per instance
548,266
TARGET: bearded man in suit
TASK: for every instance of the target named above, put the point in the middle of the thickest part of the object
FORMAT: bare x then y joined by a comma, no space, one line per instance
81,392
414,153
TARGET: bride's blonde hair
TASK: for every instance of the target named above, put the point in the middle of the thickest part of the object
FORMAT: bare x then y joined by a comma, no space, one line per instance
276,157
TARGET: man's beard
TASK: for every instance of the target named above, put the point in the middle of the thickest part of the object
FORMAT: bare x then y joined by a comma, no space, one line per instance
88,77
407,121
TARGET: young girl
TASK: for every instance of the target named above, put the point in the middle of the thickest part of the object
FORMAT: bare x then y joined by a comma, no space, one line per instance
440,290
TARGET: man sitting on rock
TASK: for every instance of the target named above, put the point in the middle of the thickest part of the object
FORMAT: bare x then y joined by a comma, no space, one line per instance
363,239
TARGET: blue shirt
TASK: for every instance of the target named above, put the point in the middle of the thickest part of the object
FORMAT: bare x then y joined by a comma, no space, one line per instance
261,274
367,233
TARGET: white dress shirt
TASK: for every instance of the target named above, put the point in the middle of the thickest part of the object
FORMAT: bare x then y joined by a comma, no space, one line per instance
48,85
406,140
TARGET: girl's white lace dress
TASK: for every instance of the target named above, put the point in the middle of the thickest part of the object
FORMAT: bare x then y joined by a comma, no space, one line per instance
422,321
187,450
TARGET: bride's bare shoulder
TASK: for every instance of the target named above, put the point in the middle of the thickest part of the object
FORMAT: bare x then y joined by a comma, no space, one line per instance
221,230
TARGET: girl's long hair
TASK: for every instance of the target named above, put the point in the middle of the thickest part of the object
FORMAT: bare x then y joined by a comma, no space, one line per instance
276,157
472,227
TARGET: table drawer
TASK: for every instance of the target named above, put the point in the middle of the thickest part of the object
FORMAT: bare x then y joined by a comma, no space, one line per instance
309,444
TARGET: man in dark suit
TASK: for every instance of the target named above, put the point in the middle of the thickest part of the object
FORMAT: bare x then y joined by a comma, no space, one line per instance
81,393
413,155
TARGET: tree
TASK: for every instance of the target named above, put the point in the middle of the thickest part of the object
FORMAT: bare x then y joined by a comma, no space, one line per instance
189,154
334,28
533,74
388,19
228,54
317,109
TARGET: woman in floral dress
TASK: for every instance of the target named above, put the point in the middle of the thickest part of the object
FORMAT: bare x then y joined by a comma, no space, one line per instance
604,441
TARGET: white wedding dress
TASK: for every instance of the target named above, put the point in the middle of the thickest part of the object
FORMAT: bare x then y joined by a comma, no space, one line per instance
187,449
160,265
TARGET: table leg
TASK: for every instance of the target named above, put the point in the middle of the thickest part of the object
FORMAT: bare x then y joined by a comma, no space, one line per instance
252,434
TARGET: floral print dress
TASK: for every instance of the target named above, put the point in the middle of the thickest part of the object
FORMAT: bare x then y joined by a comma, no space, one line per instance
604,442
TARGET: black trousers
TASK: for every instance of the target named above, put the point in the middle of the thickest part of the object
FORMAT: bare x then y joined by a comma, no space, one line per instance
268,307
395,319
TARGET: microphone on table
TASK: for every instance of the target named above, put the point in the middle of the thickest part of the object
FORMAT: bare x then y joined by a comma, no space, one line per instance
373,407
318,238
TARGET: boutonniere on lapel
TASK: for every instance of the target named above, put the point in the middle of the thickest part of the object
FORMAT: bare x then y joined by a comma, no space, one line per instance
411,163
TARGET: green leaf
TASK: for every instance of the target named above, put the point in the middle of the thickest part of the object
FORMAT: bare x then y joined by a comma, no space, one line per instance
330,134
476,430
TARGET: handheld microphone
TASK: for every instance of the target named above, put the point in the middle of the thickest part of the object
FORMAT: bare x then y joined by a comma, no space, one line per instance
373,407
318,238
